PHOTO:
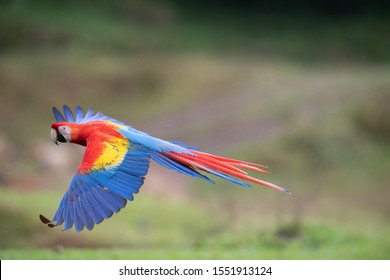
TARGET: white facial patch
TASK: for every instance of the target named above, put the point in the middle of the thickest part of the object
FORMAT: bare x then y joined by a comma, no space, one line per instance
65,131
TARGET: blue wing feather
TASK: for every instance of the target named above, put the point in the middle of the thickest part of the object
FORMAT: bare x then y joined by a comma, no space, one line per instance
86,213
98,211
152,143
79,114
228,178
101,196
93,197
57,115
76,217
120,189
89,213
68,114
85,220
68,219
89,114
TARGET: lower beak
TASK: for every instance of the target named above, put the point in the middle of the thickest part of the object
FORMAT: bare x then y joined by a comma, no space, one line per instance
57,137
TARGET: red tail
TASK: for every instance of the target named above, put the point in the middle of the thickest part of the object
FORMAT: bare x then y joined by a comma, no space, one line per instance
222,166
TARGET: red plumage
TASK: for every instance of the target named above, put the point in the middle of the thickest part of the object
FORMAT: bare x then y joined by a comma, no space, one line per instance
228,166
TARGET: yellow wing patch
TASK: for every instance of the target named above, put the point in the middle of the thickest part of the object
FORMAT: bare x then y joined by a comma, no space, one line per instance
113,153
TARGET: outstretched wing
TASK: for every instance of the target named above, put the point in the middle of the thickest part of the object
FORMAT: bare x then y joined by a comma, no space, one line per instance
110,173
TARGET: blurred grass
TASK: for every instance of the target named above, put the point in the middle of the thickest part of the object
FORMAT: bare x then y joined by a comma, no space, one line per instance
156,231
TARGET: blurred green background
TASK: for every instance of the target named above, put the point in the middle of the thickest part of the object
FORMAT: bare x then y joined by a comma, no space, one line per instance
301,86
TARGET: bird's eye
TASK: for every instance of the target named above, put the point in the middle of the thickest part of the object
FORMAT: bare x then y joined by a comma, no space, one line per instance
62,129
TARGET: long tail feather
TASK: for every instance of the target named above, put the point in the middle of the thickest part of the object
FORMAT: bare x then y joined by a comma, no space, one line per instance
222,167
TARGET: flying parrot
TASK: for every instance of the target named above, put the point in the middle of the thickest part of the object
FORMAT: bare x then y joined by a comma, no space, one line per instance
115,163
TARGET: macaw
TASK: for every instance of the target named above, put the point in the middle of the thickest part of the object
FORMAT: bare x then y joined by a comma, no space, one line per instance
116,161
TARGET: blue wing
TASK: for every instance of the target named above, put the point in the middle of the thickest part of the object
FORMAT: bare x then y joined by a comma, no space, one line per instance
95,196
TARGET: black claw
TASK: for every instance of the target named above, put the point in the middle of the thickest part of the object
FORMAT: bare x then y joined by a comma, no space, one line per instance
44,219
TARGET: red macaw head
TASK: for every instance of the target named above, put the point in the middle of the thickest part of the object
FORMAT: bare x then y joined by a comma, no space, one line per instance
62,132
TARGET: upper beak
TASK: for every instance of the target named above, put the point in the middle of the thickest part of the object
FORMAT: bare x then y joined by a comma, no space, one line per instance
57,137
53,135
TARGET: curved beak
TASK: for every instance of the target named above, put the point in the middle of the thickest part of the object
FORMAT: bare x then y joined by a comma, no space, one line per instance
53,135
56,137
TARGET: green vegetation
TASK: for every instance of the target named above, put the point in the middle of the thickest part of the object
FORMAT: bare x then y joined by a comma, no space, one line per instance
149,27
140,233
